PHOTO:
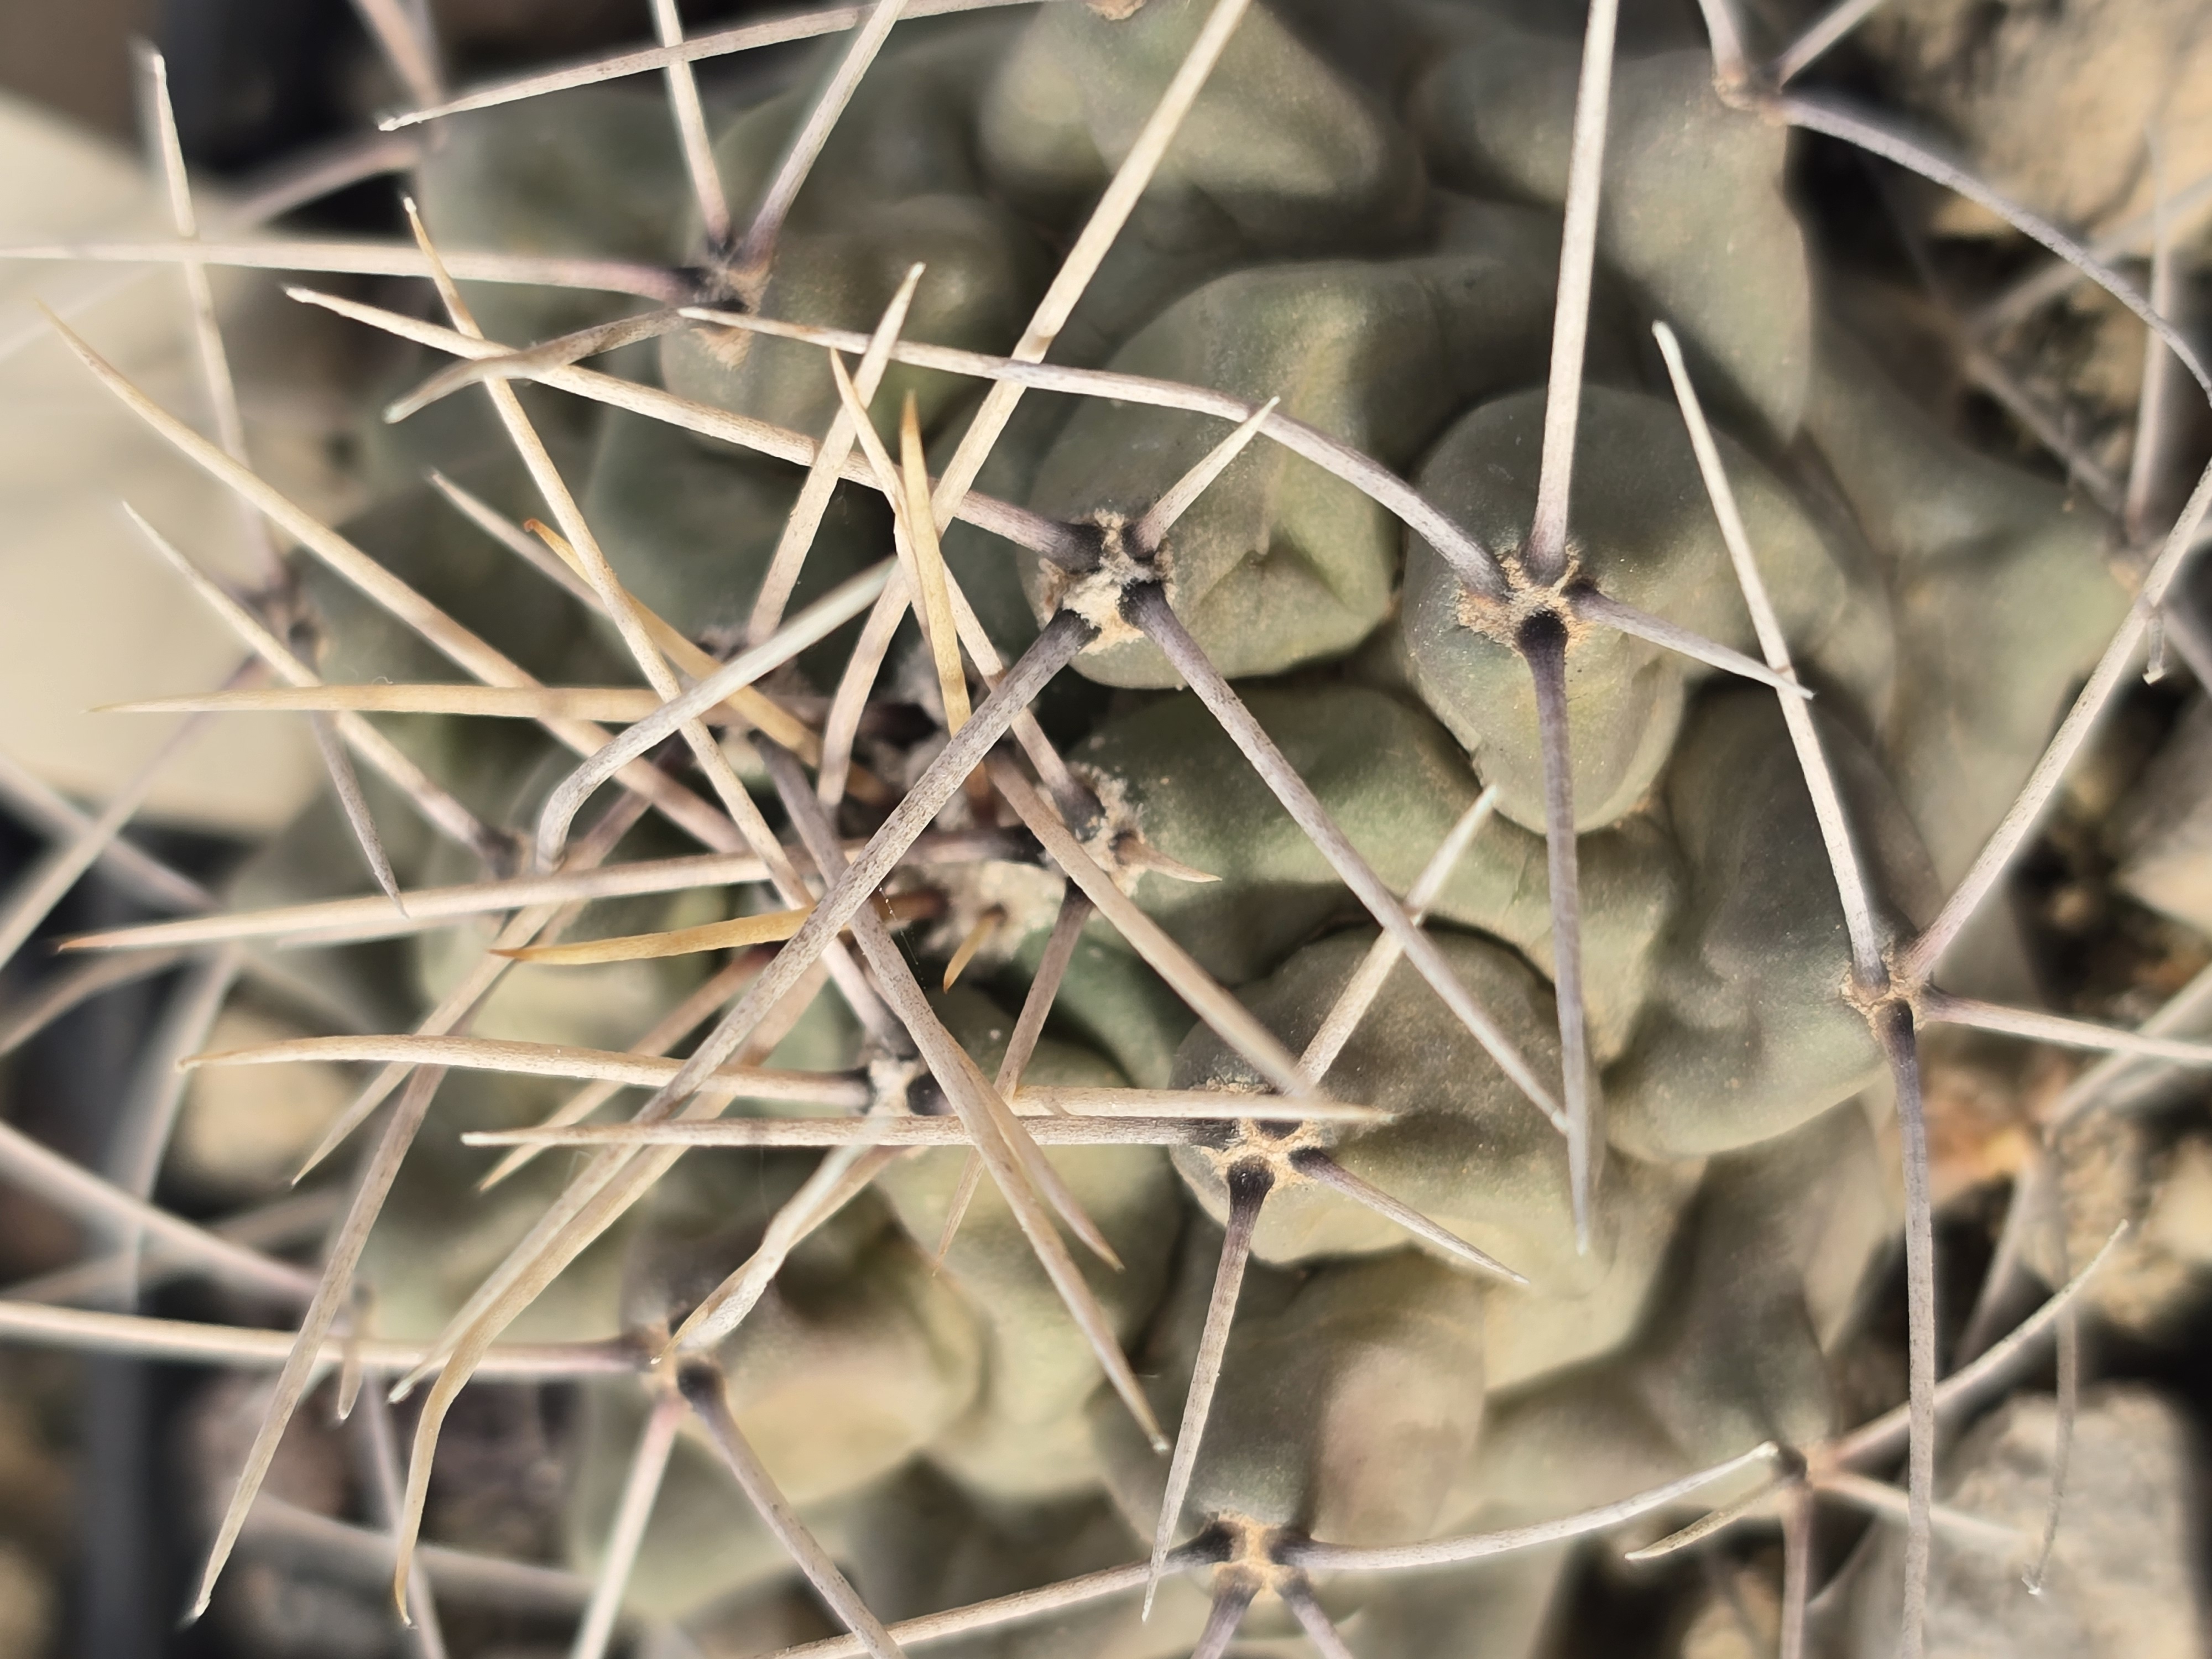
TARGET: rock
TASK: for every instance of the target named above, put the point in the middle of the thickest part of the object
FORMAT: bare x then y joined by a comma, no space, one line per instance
2114,1169
2180,1218
27,1606
2162,833
2004,77
1739,1617
2123,1579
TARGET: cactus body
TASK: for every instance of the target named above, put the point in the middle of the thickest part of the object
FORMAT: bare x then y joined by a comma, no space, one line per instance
1369,231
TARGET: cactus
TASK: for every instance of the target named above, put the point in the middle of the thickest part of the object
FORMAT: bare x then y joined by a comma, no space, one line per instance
1264,949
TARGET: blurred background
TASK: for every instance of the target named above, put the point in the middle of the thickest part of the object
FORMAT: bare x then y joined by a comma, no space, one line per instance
99,1458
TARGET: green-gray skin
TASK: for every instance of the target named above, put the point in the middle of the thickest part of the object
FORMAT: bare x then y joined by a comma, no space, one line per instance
601,1005
487,589
1349,1395
1754,1291
858,1356
847,1369
1643,532
1280,563
352,639
920,1544
1025,1438
690,526
1396,783
368,986
595,173
424,1265
1772,1255
1746,1032
1500,1609
1692,212
437,1238
703,1541
1111,1000
2004,599
1467,1149
897,183
1279,155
